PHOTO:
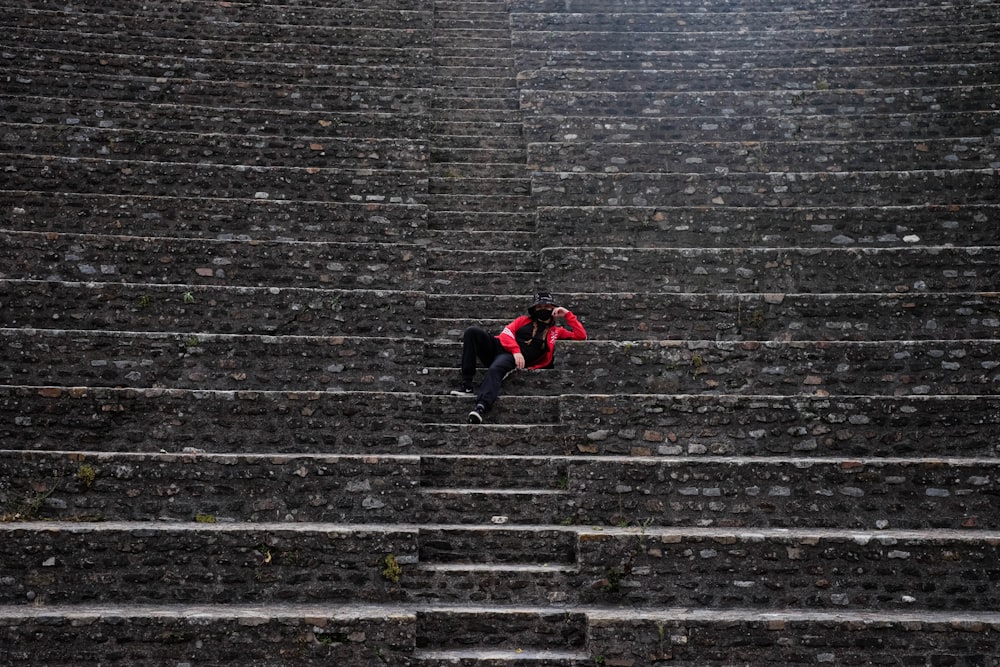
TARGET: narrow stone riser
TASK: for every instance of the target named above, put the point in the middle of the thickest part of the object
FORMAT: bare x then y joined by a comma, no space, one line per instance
808,227
208,362
508,545
155,90
506,630
686,642
482,282
951,98
490,204
785,190
316,150
130,637
199,564
525,409
765,157
197,487
482,261
916,126
131,115
153,420
469,186
220,310
765,270
496,222
668,59
629,317
184,262
218,219
165,179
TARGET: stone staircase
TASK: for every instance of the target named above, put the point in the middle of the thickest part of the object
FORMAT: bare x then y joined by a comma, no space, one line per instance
240,243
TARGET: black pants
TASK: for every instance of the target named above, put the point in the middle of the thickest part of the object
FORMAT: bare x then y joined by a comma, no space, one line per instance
484,346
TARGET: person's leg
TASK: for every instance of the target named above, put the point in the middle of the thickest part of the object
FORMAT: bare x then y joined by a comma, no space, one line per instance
476,344
489,390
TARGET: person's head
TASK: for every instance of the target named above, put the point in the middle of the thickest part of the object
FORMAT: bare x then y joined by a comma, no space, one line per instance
542,306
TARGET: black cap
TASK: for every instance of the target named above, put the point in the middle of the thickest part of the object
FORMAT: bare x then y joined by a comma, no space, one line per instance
543,298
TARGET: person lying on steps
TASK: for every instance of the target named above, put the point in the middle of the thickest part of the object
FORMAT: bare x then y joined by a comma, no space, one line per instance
526,343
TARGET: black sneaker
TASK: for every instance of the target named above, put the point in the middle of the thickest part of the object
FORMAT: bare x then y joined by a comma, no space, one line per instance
464,390
476,416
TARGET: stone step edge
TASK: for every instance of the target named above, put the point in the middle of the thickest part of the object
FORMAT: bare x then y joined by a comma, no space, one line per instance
691,344
281,458
252,612
54,235
888,536
311,394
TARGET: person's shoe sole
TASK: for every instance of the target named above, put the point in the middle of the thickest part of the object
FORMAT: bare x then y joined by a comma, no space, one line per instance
461,392
475,417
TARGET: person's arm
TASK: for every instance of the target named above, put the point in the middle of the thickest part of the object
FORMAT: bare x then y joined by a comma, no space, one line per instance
574,329
510,343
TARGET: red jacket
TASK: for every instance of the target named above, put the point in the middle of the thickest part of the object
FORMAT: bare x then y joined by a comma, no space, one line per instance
574,332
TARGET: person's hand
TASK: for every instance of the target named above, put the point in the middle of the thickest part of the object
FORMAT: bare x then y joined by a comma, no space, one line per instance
559,312
519,360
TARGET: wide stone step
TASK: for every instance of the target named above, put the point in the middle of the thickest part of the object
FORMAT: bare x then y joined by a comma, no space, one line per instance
691,6
917,127
768,270
110,43
203,487
947,98
80,112
204,148
803,78
667,58
647,567
171,420
668,425
202,361
76,257
771,190
254,25
200,562
364,634
729,39
824,368
220,219
211,309
151,89
49,173
766,156
172,66
630,317
594,491
872,226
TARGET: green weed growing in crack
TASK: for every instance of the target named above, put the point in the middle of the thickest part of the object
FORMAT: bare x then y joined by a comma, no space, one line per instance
391,569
